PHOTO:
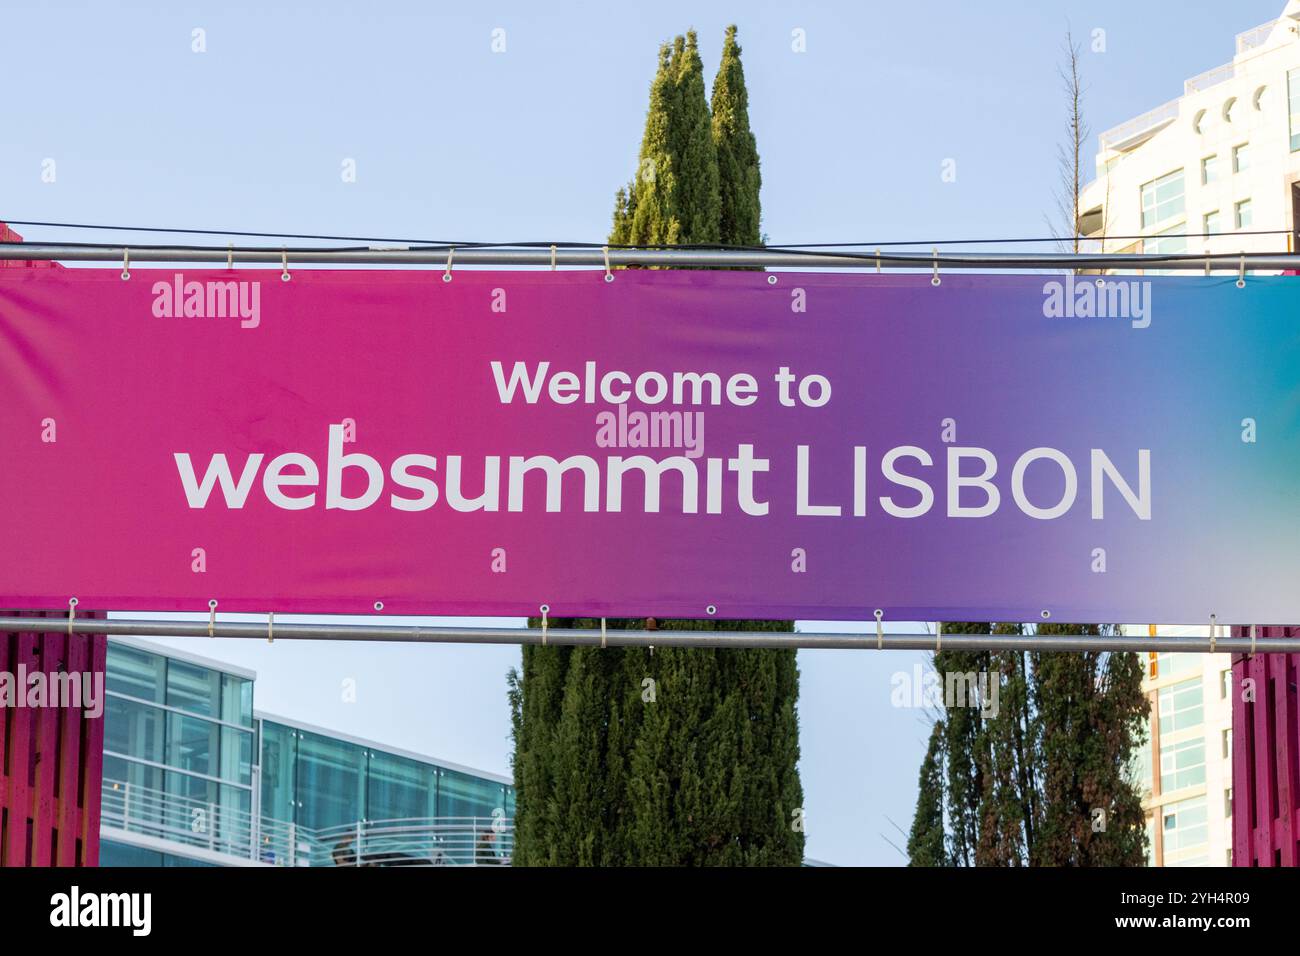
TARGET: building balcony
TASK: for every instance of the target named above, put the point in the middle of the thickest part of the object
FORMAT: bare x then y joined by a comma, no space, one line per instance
232,836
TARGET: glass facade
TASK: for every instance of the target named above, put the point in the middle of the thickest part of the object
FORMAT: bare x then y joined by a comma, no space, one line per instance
1182,765
178,748
319,782
1180,707
187,762
1185,828
1163,199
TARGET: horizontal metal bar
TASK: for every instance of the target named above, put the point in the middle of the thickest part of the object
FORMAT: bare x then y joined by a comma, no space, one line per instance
682,258
619,638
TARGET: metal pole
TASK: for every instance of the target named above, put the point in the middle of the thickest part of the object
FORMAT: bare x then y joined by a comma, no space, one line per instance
680,258
586,638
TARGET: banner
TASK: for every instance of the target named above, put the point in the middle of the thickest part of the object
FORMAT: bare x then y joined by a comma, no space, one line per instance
677,444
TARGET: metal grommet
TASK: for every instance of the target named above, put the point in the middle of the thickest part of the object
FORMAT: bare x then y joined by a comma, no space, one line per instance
379,605
1044,614
771,280
711,610
545,609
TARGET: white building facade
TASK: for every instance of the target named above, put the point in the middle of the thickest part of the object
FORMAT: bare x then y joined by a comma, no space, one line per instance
1215,171
1184,768
1221,162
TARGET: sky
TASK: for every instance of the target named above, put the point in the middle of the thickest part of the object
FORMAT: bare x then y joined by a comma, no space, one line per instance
454,142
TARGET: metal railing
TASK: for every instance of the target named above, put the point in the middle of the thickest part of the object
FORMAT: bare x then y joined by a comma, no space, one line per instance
1150,120
1254,37
1203,81
234,832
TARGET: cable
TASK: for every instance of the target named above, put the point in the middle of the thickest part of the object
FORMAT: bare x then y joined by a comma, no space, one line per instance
469,244
903,259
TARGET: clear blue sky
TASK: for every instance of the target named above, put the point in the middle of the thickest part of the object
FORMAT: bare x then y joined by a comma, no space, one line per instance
454,142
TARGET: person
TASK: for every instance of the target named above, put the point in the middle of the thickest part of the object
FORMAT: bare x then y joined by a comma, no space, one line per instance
485,853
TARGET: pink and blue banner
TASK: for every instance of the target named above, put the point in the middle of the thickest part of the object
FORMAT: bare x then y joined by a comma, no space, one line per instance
677,444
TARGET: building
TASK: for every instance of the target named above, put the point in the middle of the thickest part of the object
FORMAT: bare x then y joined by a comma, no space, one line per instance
1219,162
195,776
1185,766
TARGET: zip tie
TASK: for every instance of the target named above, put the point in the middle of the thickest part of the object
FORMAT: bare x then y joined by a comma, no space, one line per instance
602,633
880,633
877,261
284,265
230,255
545,609
938,637
72,613
1207,265
609,276
1241,273
936,280
212,617
126,263
270,627
552,258
1252,640
1214,632
451,252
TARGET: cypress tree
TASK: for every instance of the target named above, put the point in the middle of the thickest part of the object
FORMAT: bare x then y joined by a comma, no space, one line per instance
926,845
1023,788
738,175
680,756
1092,714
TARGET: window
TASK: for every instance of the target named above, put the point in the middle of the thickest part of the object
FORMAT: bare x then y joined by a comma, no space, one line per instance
1212,224
1209,170
1241,158
399,789
1242,215
1170,665
1169,241
1162,199
1179,706
1293,98
193,688
330,781
1227,803
1186,825
133,729
1182,765
136,673
1226,744
1225,684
